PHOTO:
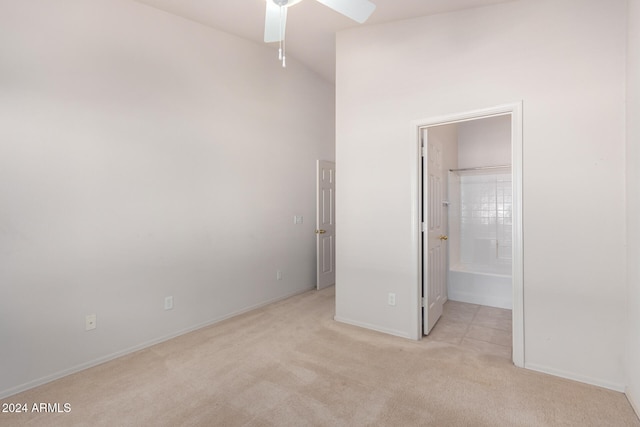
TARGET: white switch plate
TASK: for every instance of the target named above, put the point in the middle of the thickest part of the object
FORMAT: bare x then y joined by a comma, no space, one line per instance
90,322
298,219
392,298
279,275
168,303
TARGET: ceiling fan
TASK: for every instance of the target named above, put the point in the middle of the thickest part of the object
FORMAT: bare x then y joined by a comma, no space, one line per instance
276,17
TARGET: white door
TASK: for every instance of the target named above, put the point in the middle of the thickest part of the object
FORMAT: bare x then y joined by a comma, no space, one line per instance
325,224
434,235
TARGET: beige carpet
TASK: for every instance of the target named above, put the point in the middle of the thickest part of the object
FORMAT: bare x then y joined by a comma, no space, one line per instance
290,364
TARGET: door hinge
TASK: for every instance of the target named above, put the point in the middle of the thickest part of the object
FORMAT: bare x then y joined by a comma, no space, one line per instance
424,301
423,227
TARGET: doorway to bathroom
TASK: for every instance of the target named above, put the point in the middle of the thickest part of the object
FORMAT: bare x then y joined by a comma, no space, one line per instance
479,202
470,231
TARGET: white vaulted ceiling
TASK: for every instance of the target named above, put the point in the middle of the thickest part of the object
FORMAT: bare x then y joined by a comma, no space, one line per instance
311,26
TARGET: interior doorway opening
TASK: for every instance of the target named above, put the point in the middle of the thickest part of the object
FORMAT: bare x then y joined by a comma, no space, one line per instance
478,240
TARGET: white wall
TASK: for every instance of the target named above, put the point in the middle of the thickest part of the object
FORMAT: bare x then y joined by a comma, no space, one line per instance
633,206
566,60
485,142
143,155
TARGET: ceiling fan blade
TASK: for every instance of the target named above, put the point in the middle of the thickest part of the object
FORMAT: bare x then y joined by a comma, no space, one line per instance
272,31
358,10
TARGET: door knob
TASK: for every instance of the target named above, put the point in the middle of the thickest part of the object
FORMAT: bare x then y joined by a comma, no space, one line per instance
321,231
444,237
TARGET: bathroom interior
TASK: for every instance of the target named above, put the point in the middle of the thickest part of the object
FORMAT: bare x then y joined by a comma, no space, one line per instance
477,155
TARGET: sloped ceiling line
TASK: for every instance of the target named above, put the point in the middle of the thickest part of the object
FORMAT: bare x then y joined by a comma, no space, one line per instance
311,26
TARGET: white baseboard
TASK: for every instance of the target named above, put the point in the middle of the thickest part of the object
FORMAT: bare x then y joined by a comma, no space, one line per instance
575,377
95,362
632,398
377,328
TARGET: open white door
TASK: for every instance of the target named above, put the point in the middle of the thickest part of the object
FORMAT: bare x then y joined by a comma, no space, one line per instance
325,224
434,234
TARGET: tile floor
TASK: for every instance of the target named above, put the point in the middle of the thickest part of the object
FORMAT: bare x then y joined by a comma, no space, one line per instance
480,328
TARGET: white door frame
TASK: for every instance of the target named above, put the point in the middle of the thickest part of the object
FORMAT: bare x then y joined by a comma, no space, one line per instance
515,110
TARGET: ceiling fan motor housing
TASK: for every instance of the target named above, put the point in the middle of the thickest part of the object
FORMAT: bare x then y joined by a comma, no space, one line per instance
285,3
276,14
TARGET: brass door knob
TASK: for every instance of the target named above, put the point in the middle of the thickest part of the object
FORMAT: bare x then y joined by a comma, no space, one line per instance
321,231
444,237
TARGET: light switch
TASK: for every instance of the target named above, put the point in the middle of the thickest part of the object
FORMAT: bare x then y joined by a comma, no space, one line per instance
90,322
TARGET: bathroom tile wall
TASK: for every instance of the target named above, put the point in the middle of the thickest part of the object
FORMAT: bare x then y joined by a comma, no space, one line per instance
485,219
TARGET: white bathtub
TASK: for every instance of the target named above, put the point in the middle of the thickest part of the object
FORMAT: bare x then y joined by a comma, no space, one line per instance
472,285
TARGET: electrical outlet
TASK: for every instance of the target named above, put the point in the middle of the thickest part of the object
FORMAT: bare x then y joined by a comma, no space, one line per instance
279,275
391,299
90,322
168,303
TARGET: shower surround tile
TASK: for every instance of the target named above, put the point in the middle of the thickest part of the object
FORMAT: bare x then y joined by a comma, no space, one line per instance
483,211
